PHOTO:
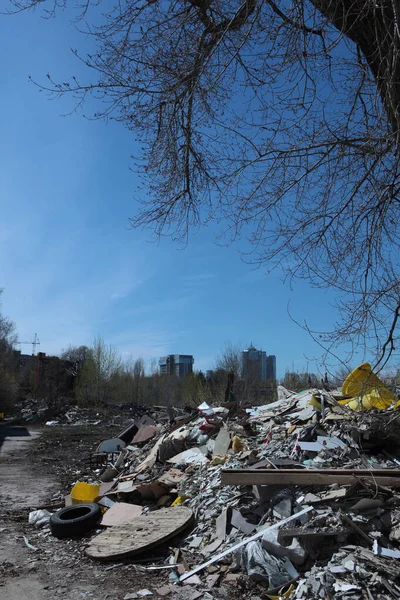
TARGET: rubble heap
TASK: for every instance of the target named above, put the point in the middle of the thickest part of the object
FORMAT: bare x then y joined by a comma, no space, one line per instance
302,496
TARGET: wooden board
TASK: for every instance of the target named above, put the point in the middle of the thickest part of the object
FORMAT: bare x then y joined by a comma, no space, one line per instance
389,477
121,513
146,532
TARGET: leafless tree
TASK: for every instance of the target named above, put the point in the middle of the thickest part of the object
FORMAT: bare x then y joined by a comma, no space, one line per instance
278,118
229,359
297,382
8,337
8,364
77,356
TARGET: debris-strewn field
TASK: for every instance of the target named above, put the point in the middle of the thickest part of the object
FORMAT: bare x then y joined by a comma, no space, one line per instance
57,568
64,452
297,499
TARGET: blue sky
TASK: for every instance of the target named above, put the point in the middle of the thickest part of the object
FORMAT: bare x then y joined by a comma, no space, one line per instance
69,263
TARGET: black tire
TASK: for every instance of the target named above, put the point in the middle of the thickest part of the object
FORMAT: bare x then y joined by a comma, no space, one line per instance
75,520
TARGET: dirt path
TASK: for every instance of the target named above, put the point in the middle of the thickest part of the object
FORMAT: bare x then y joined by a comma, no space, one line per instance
34,468
19,487
19,490
57,568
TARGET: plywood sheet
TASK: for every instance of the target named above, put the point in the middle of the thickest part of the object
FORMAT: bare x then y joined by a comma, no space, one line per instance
146,532
121,513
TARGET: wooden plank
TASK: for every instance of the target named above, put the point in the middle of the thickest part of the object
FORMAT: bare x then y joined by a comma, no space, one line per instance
306,477
243,543
383,472
144,533
298,532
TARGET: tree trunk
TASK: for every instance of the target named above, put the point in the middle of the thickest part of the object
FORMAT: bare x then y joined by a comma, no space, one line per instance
374,26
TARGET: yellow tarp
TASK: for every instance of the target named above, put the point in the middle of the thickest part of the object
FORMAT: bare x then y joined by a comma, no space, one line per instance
367,391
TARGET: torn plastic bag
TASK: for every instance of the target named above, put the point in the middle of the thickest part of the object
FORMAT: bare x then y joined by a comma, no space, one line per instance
262,566
193,436
38,518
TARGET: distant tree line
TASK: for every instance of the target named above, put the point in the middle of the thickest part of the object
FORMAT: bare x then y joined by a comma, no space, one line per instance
102,378
9,383
97,376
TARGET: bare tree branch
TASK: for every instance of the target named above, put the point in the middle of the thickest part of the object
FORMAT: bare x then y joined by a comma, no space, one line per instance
280,119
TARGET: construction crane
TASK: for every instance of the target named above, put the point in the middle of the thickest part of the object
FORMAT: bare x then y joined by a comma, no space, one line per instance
35,342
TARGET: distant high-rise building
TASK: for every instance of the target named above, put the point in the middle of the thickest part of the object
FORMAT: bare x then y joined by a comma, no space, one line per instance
271,368
254,364
257,366
176,364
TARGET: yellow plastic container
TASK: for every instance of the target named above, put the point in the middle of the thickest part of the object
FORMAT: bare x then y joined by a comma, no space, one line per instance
84,492
366,389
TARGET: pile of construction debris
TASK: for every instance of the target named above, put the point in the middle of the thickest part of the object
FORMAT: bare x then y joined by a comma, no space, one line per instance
302,495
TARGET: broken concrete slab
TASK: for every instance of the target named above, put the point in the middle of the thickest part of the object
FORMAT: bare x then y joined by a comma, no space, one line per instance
210,548
241,523
164,590
192,580
222,442
221,523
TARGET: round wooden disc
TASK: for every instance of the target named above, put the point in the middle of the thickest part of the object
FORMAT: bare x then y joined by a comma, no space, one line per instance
144,533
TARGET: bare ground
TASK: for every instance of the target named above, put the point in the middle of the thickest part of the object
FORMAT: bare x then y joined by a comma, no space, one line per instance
39,468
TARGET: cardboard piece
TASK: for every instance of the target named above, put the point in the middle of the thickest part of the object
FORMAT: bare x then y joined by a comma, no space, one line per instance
145,433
